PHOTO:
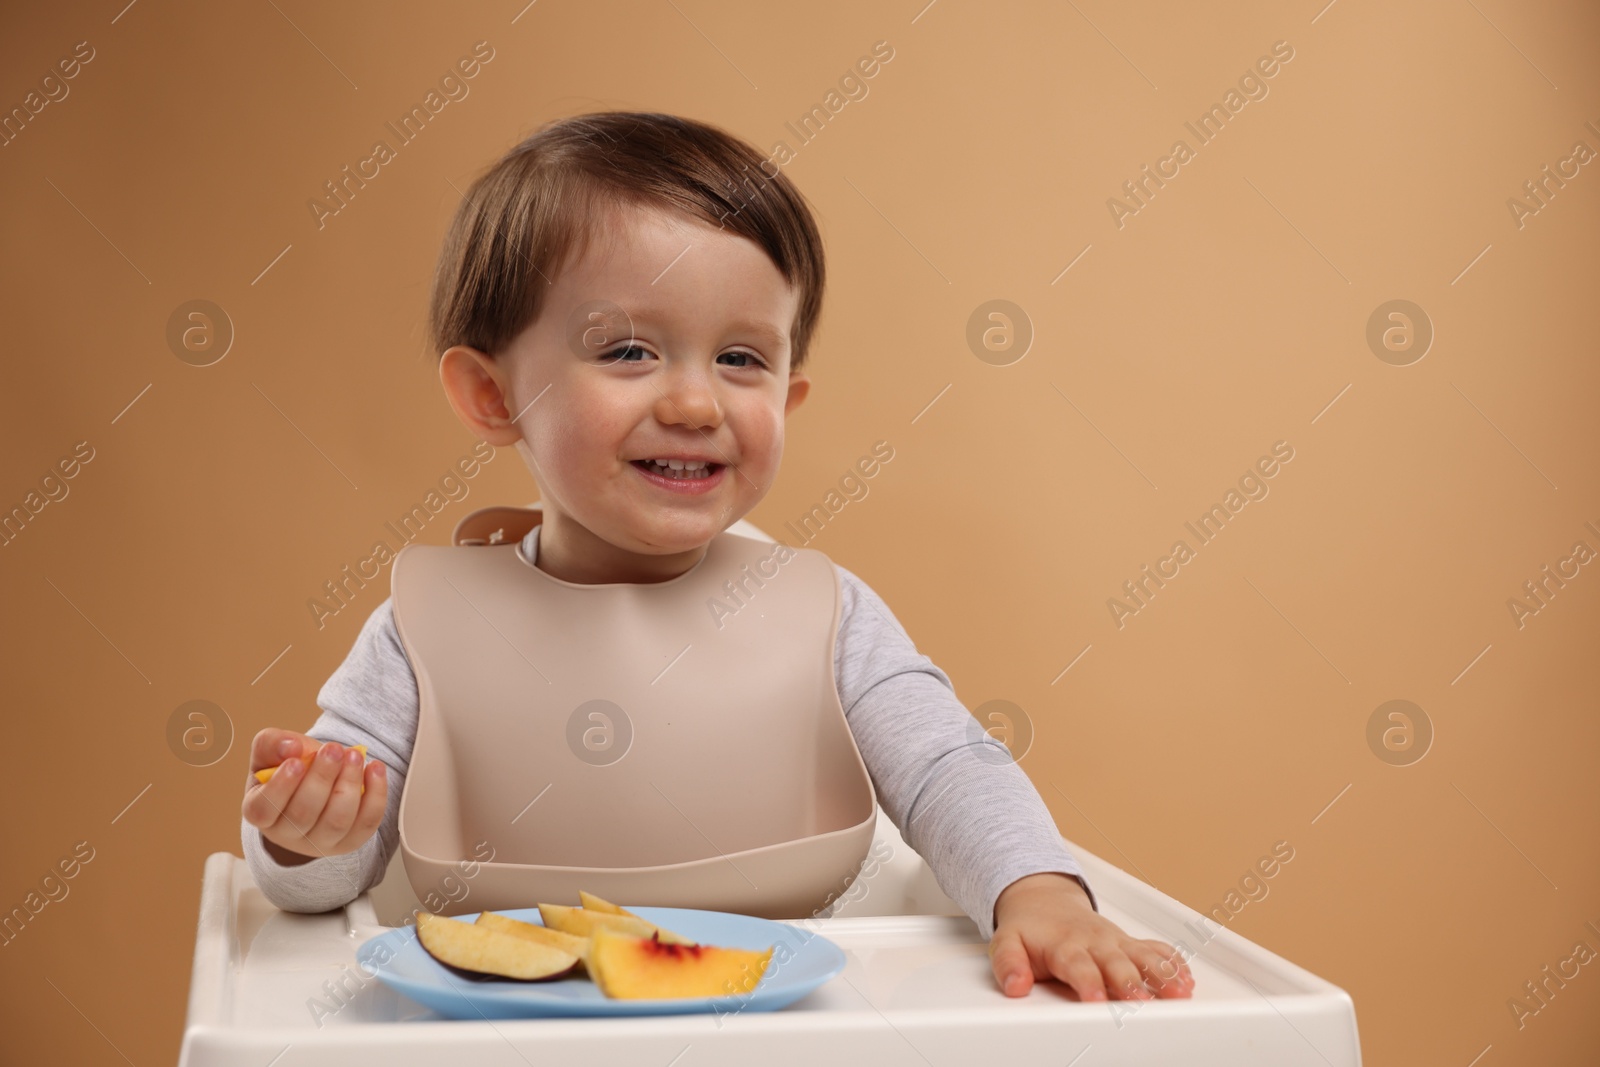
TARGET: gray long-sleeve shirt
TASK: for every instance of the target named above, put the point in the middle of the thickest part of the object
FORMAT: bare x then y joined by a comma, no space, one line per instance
975,817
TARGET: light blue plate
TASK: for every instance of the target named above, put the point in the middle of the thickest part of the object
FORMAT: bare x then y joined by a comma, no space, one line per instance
801,962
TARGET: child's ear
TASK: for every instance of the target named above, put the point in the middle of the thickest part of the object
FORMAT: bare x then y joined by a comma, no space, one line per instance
799,386
475,385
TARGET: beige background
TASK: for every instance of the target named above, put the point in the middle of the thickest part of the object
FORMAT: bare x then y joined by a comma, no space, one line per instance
1228,314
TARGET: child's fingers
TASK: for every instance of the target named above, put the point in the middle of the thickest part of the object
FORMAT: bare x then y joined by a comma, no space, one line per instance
1072,964
1012,967
370,815
315,783
1165,970
271,747
265,804
344,800
1160,958
1122,976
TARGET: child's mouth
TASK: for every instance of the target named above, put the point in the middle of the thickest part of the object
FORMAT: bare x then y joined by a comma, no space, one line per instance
686,478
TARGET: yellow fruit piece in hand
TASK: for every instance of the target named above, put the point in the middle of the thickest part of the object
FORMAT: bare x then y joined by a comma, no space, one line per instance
265,774
634,968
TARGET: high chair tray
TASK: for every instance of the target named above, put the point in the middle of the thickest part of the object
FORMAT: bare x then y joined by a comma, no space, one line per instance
273,987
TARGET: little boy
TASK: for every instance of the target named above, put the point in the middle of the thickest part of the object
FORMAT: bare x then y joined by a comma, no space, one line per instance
707,273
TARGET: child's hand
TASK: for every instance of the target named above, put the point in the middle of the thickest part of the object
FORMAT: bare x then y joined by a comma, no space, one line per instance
315,809
1045,927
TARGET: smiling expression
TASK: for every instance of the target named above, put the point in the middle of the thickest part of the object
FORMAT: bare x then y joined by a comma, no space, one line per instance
694,365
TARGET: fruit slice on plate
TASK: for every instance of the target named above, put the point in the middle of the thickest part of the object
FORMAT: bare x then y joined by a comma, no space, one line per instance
265,774
583,922
543,935
605,907
637,968
594,903
483,950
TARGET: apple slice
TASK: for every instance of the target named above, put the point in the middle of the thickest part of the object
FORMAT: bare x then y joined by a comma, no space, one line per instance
578,946
485,950
583,922
636,968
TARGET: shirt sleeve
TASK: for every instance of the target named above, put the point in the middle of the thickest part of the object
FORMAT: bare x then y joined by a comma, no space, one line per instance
956,794
371,699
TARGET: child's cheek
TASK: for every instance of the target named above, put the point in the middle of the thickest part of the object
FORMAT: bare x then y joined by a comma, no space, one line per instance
760,433
571,438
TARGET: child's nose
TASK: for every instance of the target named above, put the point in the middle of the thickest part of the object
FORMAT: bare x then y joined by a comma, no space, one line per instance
689,397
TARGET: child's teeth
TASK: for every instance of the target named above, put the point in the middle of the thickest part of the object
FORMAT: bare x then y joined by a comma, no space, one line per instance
674,468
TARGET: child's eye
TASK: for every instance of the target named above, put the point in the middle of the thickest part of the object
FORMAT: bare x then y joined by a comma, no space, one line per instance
615,356
618,355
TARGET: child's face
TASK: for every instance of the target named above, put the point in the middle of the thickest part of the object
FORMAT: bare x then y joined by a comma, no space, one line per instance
706,375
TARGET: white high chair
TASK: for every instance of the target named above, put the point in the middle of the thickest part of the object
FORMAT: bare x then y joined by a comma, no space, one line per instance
275,987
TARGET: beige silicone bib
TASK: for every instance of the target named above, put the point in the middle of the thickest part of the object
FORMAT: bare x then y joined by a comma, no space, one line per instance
676,744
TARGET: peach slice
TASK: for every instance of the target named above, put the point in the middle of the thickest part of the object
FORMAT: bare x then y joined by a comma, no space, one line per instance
485,950
602,906
634,968
583,922
265,774
594,903
578,946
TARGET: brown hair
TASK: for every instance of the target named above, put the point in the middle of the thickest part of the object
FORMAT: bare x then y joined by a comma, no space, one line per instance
544,200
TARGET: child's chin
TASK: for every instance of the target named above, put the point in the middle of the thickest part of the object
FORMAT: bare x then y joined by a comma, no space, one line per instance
673,540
